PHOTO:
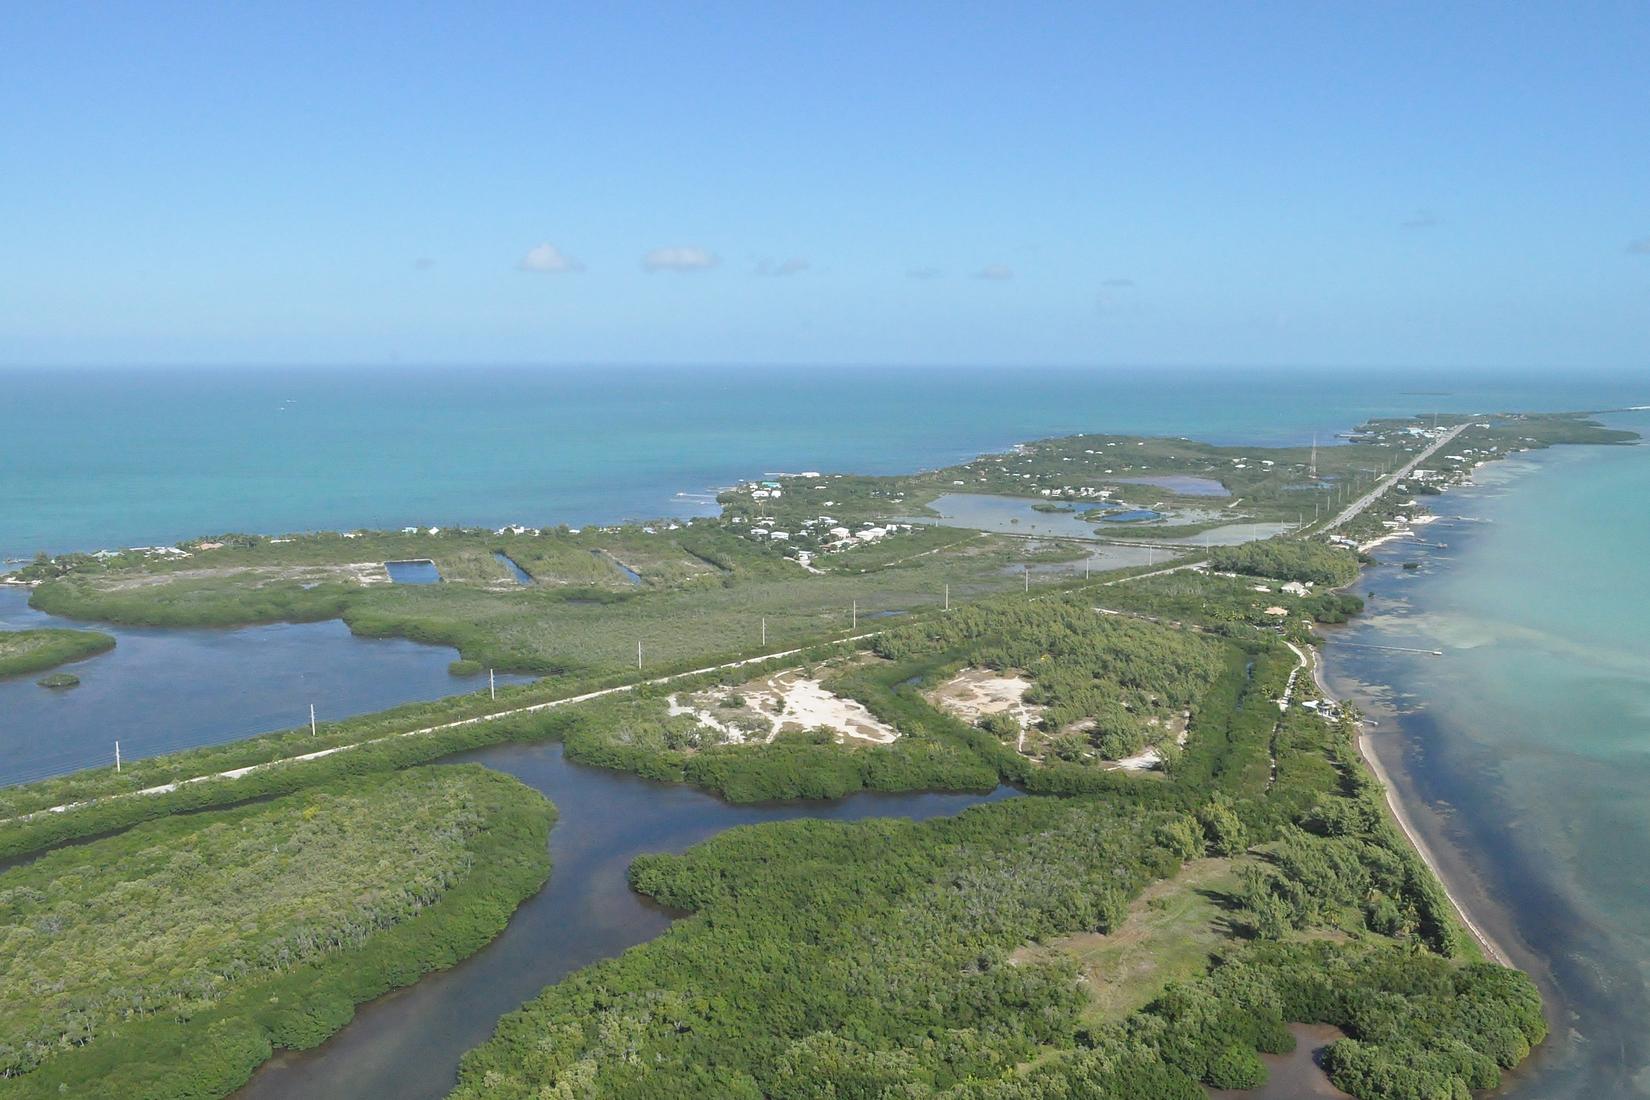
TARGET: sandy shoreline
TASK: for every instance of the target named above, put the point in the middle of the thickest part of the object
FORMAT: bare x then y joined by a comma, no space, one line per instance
1491,948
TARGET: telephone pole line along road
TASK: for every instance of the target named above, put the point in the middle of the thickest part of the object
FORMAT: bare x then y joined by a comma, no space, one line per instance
1396,476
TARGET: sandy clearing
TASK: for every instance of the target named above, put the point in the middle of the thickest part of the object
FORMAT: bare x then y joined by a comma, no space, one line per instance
976,692
783,703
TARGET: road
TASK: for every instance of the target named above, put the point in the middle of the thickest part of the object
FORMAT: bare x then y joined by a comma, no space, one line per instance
236,773
1396,476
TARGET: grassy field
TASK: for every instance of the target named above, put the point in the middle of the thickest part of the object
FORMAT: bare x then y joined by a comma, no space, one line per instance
702,613
1172,931
25,651
218,932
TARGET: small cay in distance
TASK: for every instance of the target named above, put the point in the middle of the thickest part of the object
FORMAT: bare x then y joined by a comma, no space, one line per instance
1202,859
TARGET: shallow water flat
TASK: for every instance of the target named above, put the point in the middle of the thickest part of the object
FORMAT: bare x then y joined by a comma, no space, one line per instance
161,690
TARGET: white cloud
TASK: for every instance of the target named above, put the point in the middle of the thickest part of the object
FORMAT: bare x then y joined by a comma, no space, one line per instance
549,259
1640,247
925,273
793,266
995,272
1421,219
679,259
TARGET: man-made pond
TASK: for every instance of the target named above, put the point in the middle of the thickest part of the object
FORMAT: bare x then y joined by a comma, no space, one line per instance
407,1044
162,690
521,575
628,573
1179,484
1017,516
416,571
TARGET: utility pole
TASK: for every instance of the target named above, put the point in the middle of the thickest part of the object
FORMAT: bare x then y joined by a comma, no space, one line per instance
638,654
1028,578
856,615
948,597
492,686
312,719
1088,561
117,757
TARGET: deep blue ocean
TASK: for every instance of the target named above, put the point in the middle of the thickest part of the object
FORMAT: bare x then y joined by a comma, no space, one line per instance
1526,748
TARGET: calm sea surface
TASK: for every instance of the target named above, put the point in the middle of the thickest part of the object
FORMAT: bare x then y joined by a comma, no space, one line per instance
1531,738
92,459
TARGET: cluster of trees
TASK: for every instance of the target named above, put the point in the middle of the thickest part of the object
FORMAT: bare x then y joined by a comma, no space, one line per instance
878,959
1101,680
24,651
830,957
640,736
874,959
1304,560
171,958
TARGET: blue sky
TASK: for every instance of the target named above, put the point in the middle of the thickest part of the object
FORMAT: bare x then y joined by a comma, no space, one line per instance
1327,184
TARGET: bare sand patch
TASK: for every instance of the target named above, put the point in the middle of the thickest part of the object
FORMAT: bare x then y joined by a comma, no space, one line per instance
976,692
786,702
1152,755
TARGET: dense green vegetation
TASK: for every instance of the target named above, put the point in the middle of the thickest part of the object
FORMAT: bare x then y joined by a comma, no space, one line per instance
875,959
880,959
1303,560
1107,686
639,736
704,596
168,960
25,651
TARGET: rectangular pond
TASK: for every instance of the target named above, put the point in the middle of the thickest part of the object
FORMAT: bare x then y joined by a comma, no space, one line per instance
419,571
521,575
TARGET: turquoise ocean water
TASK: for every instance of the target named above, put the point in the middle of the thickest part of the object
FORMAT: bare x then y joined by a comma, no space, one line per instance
1531,738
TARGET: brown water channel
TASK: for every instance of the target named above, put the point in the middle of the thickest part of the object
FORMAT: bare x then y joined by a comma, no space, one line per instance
407,1044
